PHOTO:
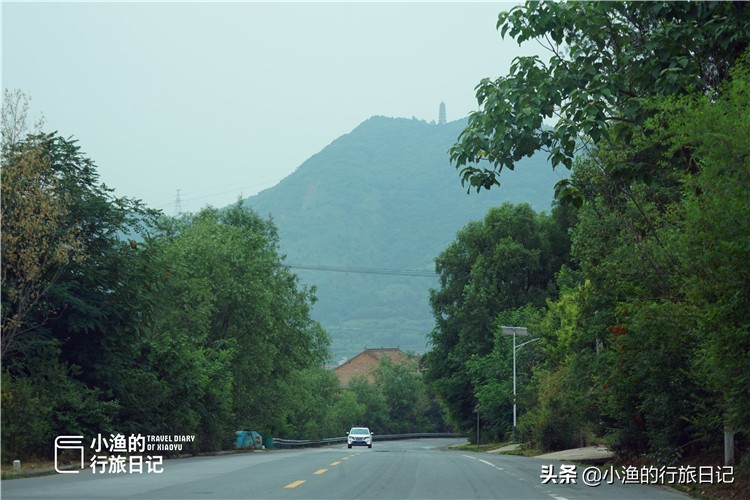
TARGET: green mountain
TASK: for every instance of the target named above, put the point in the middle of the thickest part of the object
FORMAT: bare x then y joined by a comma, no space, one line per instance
383,197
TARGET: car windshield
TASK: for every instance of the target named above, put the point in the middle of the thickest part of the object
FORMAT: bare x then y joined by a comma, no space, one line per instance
359,430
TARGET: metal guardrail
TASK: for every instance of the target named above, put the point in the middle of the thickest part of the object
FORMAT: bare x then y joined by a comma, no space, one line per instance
307,443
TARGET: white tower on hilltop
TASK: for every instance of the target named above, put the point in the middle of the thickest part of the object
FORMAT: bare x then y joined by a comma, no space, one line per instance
441,114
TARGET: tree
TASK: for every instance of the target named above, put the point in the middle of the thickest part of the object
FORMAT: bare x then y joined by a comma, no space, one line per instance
36,242
405,395
312,396
228,290
715,218
75,286
370,397
607,60
651,107
492,374
135,323
14,116
57,222
502,263
631,345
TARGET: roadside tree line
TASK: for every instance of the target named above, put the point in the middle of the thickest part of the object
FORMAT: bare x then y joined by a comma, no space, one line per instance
119,319
636,284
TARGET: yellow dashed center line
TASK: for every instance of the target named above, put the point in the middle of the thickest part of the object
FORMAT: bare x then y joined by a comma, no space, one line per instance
318,472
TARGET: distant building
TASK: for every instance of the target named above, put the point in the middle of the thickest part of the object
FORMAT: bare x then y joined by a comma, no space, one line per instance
441,114
365,363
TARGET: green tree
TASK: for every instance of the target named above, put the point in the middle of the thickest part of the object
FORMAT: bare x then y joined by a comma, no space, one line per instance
561,398
556,420
132,325
405,395
607,60
714,237
348,412
499,264
89,291
648,340
37,241
646,251
313,393
628,322
492,374
229,292
372,399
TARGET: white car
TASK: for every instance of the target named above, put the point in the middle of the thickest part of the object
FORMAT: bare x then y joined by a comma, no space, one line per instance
359,436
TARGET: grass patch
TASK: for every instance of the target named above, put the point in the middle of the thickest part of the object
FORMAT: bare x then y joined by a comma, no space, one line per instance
28,469
480,448
523,452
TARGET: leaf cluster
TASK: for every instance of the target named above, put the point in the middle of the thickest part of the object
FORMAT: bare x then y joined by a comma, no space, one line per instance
607,59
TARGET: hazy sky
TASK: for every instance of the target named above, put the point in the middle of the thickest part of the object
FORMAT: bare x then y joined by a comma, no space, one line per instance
223,99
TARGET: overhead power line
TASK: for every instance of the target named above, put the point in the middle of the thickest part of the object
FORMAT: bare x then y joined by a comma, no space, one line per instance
199,194
364,270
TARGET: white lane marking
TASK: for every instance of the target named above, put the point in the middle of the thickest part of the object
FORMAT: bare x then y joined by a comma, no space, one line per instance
491,464
469,456
557,497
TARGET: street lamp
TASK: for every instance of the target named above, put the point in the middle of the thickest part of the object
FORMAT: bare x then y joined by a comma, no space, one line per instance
515,330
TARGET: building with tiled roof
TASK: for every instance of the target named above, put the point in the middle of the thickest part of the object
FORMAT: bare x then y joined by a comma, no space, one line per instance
365,363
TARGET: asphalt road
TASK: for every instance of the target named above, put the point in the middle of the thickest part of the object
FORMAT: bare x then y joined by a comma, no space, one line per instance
390,470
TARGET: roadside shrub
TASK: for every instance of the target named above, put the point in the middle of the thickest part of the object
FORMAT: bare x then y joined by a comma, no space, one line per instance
556,422
25,422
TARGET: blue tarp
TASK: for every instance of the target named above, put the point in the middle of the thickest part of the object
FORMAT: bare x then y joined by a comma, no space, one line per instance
242,439
257,440
248,439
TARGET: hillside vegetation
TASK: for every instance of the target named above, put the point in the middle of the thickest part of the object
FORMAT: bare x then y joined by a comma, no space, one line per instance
383,197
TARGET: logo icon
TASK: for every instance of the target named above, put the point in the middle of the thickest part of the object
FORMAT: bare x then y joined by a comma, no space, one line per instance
68,443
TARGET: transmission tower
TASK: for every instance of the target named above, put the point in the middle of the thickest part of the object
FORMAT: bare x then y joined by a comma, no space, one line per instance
177,204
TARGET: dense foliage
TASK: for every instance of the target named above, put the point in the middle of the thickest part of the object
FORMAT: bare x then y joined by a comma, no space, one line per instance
608,59
117,319
383,197
505,262
644,339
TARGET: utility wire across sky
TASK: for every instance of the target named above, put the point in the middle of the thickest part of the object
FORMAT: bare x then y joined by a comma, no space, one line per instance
364,270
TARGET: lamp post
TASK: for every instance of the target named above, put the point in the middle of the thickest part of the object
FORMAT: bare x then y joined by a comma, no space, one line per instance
476,410
515,330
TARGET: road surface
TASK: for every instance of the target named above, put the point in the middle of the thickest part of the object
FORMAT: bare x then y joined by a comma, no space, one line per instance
412,469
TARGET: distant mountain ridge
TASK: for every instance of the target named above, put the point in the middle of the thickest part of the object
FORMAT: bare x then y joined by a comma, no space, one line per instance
384,196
